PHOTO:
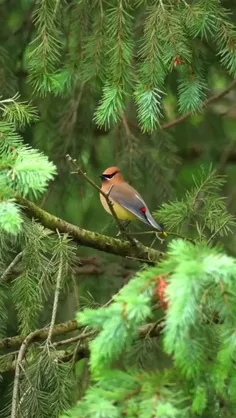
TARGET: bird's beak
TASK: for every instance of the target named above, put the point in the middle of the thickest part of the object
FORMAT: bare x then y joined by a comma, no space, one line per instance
101,177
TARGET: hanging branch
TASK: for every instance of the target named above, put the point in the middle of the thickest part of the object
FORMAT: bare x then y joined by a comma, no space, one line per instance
10,267
205,104
56,298
21,355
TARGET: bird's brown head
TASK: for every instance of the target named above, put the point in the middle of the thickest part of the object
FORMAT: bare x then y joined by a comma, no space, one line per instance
112,174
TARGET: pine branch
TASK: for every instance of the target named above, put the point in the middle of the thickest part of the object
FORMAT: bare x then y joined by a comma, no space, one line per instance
40,334
56,298
10,267
64,356
206,103
20,357
91,239
75,339
152,330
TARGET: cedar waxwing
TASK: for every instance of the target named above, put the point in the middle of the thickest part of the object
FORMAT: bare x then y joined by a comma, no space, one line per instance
127,202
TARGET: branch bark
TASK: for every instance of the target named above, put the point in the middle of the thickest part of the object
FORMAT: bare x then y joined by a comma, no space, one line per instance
65,328
40,334
150,330
91,239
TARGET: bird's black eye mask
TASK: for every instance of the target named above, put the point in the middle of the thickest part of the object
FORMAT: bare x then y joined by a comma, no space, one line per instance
108,176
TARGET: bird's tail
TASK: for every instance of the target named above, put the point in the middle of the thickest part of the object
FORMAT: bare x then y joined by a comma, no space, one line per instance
155,225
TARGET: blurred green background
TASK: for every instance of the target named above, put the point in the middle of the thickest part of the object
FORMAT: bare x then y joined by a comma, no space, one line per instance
160,165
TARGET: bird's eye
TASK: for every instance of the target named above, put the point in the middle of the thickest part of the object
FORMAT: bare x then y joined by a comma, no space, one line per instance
109,176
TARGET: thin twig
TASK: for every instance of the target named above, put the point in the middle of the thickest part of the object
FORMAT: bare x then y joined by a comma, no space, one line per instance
72,340
10,267
169,233
21,355
70,121
208,101
105,195
56,298
216,232
181,119
224,157
82,336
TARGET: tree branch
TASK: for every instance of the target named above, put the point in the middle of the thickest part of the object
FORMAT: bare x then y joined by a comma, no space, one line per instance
181,119
60,329
208,101
21,355
91,239
40,334
61,355
150,330
56,298
10,267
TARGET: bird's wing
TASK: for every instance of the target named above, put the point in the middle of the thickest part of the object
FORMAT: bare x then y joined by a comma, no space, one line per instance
130,199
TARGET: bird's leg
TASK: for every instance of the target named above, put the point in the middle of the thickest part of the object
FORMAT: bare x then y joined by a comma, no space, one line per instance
124,225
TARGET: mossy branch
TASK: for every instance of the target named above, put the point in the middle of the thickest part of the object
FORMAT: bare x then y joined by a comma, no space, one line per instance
150,330
40,334
91,239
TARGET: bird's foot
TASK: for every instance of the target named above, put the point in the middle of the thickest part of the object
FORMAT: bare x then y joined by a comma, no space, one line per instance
124,225
158,237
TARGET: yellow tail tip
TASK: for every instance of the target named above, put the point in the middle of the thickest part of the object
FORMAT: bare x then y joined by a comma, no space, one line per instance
165,234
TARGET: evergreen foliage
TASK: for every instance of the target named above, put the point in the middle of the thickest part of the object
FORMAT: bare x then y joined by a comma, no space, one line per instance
128,49
201,285
23,170
104,81
203,210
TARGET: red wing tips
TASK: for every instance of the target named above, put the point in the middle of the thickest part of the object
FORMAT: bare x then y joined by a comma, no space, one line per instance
143,210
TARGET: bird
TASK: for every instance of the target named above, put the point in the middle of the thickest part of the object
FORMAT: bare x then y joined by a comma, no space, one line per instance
127,202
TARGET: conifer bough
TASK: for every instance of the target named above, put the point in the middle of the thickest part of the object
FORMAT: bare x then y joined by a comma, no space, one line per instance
89,238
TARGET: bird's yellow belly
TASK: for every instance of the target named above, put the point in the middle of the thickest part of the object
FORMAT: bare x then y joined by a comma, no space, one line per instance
122,213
